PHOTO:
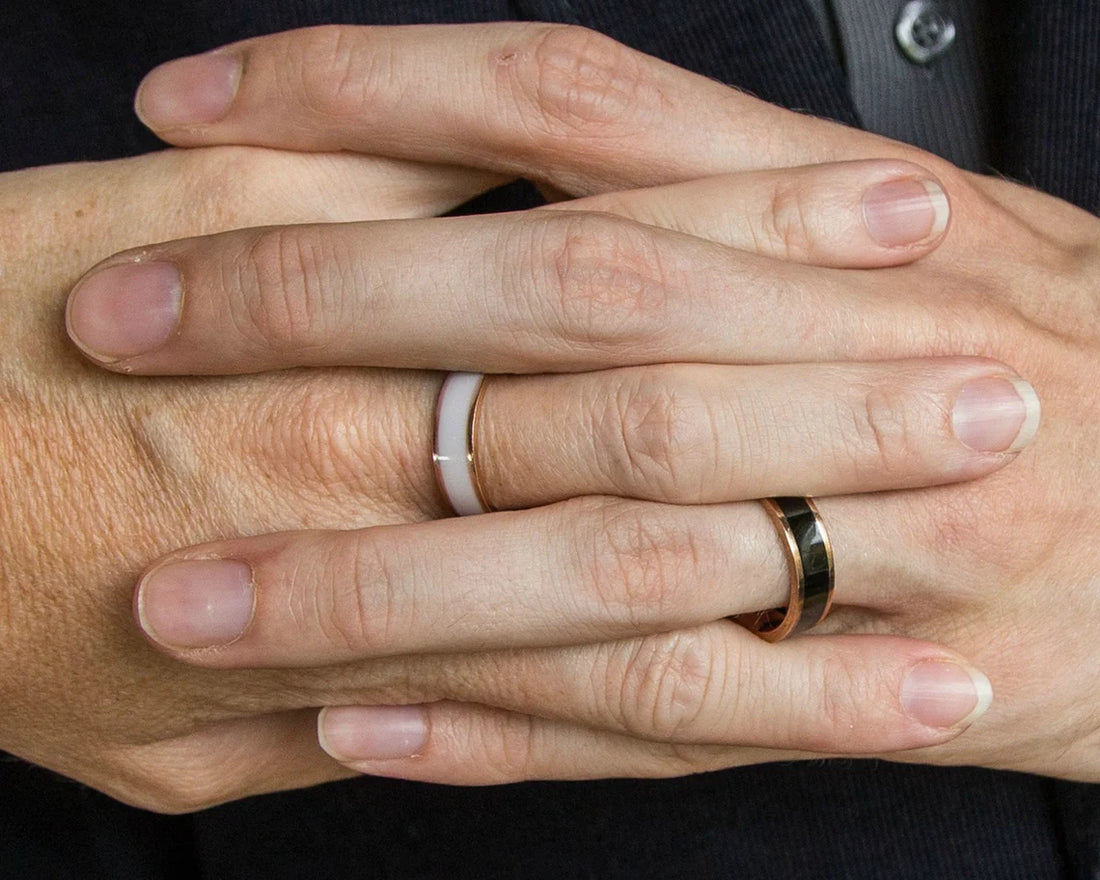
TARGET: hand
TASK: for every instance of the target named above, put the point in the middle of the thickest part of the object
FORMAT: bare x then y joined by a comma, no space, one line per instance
105,472
1002,569
99,475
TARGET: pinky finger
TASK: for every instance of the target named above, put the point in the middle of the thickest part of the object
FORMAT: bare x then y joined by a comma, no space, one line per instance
469,744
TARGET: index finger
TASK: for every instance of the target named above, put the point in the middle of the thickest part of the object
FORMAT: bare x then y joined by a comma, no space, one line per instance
556,103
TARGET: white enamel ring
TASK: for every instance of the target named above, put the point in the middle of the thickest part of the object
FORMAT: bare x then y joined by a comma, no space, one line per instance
455,460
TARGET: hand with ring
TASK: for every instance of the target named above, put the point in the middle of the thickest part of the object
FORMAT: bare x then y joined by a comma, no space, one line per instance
102,472
518,615
999,569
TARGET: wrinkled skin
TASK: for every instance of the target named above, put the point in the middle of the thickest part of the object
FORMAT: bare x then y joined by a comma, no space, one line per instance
100,473
106,472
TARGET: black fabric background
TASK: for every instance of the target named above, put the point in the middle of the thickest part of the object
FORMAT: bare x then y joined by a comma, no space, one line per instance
67,75
841,819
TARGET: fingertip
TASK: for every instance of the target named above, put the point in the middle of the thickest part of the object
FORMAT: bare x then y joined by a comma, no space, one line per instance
996,414
196,603
357,734
906,212
884,694
123,310
946,694
197,90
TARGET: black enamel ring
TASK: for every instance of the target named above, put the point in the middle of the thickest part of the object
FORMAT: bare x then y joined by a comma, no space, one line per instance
811,569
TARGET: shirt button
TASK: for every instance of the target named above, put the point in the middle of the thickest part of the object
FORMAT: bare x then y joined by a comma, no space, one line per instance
923,31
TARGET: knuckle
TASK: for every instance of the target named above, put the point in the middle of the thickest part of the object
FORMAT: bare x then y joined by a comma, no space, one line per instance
188,797
506,748
335,76
666,686
980,321
348,595
885,436
685,759
572,83
218,183
317,434
284,306
640,556
655,436
839,712
958,528
176,784
786,225
235,187
373,599
1071,269
609,283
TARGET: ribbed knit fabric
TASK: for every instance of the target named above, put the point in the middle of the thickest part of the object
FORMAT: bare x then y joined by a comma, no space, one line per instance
66,81
842,820
68,70
761,47
1049,104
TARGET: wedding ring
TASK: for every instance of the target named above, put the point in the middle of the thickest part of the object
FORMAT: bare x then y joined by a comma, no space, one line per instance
454,456
811,571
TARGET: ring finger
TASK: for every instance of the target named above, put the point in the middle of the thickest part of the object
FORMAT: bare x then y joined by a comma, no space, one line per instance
691,434
577,572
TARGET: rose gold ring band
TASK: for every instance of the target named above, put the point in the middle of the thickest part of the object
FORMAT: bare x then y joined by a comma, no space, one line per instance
812,573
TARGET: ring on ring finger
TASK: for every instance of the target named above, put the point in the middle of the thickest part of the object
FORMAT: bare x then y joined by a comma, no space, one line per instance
799,524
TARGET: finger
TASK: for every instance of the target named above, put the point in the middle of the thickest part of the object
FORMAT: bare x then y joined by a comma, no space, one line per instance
576,572
572,573
198,192
676,709
719,684
560,104
536,292
847,215
695,434
224,762
469,744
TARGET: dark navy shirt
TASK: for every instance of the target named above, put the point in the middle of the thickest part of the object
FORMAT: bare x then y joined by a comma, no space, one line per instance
918,71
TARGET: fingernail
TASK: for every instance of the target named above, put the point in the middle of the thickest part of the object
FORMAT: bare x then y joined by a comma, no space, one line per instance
125,310
940,693
372,733
996,414
188,91
905,212
201,603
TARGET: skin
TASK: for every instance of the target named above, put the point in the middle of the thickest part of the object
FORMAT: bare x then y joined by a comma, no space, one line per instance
98,472
978,566
108,470
527,721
